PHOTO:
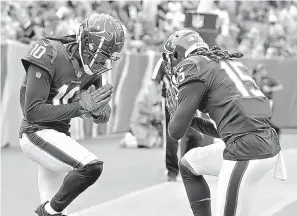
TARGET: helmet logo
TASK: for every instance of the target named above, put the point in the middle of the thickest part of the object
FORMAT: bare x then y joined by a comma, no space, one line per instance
169,44
191,38
104,34
99,29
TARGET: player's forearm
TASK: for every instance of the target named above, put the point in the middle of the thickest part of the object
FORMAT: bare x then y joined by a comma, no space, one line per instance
189,97
49,112
204,126
177,128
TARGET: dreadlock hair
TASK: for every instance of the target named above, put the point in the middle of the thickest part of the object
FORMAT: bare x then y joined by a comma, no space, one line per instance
67,39
217,54
64,39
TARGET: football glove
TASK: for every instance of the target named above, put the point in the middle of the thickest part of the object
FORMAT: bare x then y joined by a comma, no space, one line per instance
101,115
86,115
171,101
91,99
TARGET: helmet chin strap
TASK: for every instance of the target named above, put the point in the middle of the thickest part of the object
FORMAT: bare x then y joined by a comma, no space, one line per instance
86,68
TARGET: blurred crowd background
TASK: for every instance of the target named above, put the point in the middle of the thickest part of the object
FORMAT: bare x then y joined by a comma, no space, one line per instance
264,31
261,29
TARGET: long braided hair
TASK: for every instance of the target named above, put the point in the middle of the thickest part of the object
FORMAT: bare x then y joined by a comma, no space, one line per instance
64,39
217,54
67,39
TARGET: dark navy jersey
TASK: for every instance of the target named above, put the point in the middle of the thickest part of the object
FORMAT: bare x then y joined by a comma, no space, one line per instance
53,81
232,99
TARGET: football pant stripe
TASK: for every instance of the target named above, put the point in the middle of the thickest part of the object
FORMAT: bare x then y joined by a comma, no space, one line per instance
233,187
54,151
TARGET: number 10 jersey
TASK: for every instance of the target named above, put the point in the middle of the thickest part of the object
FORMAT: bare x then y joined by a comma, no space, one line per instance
66,81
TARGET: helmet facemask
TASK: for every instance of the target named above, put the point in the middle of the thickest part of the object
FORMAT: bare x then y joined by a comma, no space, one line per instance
167,59
169,69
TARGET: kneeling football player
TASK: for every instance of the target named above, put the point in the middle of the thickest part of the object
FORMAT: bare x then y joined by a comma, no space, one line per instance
216,82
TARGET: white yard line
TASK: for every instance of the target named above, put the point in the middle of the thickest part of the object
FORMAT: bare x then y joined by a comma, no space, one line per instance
273,210
280,206
120,199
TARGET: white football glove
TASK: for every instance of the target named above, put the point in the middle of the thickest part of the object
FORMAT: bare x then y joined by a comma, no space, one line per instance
102,115
92,100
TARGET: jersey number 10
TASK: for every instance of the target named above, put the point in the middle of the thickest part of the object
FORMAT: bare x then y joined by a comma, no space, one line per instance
243,82
38,51
63,98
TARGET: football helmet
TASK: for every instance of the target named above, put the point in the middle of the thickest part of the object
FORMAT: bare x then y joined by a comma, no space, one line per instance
101,39
178,46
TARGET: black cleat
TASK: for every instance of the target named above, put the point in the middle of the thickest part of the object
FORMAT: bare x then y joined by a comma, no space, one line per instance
40,211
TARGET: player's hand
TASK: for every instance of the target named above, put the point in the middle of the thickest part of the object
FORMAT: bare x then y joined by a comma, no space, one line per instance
86,115
171,101
92,100
102,115
101,111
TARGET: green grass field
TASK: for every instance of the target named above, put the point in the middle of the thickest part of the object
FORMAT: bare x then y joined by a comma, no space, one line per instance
133,184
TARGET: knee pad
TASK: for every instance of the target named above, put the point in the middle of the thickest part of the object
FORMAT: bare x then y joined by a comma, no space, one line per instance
92,170
185,169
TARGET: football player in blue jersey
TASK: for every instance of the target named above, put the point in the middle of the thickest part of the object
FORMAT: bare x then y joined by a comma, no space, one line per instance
63,81
216,82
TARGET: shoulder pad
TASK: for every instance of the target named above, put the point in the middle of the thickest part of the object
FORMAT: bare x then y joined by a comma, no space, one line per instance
42,53
189,70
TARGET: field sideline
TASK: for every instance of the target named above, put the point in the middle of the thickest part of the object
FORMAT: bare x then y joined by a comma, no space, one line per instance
133,183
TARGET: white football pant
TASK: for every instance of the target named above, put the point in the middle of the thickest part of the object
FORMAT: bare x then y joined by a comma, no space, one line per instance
56,155
237,179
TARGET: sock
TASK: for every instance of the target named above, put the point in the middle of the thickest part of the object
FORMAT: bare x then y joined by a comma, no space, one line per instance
197,191
75,182
202,207
49,209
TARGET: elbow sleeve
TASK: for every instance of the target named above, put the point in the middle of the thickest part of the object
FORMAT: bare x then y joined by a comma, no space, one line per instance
175,132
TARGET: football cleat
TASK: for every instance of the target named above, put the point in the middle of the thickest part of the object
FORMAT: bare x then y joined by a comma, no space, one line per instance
40,211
